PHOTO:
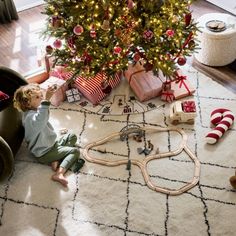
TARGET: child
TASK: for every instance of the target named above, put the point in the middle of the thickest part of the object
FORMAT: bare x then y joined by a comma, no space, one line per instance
40,136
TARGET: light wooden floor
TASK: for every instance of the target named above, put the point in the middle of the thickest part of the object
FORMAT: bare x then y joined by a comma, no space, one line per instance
19,42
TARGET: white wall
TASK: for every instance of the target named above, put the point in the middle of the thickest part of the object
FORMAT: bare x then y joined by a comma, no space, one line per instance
25,4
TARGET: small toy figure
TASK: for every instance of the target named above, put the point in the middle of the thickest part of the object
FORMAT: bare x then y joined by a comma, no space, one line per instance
147,150
183,112
138,137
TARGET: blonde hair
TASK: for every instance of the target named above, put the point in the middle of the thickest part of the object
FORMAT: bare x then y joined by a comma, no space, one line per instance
23,95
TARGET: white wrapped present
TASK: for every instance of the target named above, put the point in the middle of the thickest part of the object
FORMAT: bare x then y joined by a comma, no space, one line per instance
73,95
61,86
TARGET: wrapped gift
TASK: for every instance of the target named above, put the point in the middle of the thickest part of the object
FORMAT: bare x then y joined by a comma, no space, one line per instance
181,86
188,106
61,86
73,95
167,95
92,88
144,84
61,72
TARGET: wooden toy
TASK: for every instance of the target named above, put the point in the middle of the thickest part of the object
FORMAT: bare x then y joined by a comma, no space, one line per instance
142,164
182,112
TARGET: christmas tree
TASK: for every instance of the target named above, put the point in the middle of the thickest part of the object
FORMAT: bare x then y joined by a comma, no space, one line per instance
104,35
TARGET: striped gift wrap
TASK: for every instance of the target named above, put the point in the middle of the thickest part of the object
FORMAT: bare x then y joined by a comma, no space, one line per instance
91,87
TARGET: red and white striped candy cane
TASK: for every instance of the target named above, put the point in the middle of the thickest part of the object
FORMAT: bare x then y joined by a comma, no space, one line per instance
223,119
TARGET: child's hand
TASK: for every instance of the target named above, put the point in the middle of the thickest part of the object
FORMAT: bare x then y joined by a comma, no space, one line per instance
50,91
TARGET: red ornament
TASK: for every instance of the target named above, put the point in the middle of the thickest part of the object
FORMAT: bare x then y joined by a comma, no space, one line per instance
130,4
181,60
93,33
136,57
117,50
170,33
148,34
188,18
57,43
78,30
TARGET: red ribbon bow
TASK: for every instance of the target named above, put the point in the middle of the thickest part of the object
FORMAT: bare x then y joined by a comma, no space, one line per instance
59,74
168,96
181,80
189,106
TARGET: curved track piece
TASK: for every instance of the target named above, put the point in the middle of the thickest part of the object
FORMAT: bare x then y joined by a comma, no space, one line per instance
130,129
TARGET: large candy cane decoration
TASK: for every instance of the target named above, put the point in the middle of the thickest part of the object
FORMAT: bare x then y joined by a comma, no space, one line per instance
223,119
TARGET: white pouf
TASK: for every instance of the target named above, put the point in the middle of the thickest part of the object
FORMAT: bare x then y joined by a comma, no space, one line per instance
216,48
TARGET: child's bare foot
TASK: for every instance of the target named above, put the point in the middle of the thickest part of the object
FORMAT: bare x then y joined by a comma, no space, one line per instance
55,165
60,178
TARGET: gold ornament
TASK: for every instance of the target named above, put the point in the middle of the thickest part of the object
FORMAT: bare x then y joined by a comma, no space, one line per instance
106,25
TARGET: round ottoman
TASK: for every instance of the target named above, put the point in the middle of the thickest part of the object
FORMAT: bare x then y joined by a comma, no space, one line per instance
217,45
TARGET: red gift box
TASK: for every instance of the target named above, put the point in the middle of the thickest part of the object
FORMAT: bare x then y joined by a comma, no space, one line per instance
91,87
168,95
144,84
188,106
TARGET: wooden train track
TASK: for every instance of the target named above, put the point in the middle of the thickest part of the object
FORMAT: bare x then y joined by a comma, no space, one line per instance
142,164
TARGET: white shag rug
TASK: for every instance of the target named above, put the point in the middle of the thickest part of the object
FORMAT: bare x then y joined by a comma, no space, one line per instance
104,201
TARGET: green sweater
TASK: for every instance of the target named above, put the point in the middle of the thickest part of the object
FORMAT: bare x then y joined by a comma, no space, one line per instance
39,133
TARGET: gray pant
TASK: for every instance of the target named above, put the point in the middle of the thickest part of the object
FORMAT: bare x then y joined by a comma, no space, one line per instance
64,151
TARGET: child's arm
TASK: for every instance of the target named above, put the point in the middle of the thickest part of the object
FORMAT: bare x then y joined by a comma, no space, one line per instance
42,114
49,92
